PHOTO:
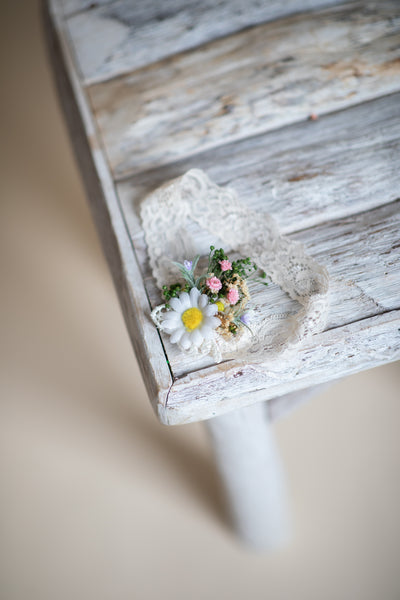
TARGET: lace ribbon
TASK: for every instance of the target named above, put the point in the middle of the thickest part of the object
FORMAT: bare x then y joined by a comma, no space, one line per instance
170,216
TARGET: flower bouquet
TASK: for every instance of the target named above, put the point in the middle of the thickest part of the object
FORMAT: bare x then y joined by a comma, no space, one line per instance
214,302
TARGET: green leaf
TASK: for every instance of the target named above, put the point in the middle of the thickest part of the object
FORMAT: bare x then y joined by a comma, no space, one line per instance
187,275
199,279
194,263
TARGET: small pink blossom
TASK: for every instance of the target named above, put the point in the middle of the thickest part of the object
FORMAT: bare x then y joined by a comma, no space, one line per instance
214,284
233,296
226,265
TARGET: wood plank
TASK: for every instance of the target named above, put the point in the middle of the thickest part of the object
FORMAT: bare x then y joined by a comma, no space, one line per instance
248,83
115,240
362,255
112,38
328,356
304,174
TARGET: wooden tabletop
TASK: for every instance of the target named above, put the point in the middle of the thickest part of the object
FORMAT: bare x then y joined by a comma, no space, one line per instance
296,105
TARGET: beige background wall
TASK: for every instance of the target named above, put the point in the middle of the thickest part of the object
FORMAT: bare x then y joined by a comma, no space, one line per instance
98,501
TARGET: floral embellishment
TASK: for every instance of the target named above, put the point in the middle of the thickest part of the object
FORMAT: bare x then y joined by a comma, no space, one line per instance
245,318
233,295
214,284
211,304
226,265
190,319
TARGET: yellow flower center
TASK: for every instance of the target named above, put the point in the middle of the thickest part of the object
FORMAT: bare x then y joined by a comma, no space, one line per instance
220,306
192,318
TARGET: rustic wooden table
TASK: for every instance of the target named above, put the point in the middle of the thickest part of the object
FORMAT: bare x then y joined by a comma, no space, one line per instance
296,105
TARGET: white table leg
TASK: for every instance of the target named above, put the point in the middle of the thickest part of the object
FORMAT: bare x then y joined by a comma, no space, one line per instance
250,468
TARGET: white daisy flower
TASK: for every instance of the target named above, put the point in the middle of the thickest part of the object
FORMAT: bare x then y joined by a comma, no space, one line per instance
191,319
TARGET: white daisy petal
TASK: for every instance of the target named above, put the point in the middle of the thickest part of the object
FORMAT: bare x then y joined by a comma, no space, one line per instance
176,336
196,338
175,303
212,322
185,300
210,310
169,327
203,301
194,296
172,317
185,341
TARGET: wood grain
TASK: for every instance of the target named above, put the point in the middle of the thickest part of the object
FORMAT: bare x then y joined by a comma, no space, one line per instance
112,38
304,174
70,7
329,355
258,80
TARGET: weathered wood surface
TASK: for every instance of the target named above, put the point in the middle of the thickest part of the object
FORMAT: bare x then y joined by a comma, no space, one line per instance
329,355
282,173
304,174
257,80
136,34
75,6
101,194
363,333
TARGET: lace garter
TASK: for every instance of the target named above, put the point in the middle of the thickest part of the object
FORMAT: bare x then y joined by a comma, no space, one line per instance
174,215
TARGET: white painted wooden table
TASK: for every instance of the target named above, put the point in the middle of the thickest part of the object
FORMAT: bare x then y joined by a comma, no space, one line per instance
152,89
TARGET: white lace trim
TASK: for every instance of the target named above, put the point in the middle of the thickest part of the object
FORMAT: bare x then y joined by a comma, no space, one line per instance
168,216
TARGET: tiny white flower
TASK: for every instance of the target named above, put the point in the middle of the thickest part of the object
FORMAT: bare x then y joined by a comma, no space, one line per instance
191,319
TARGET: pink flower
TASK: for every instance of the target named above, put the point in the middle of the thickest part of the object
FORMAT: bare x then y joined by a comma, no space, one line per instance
233,296
214,284
226,265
